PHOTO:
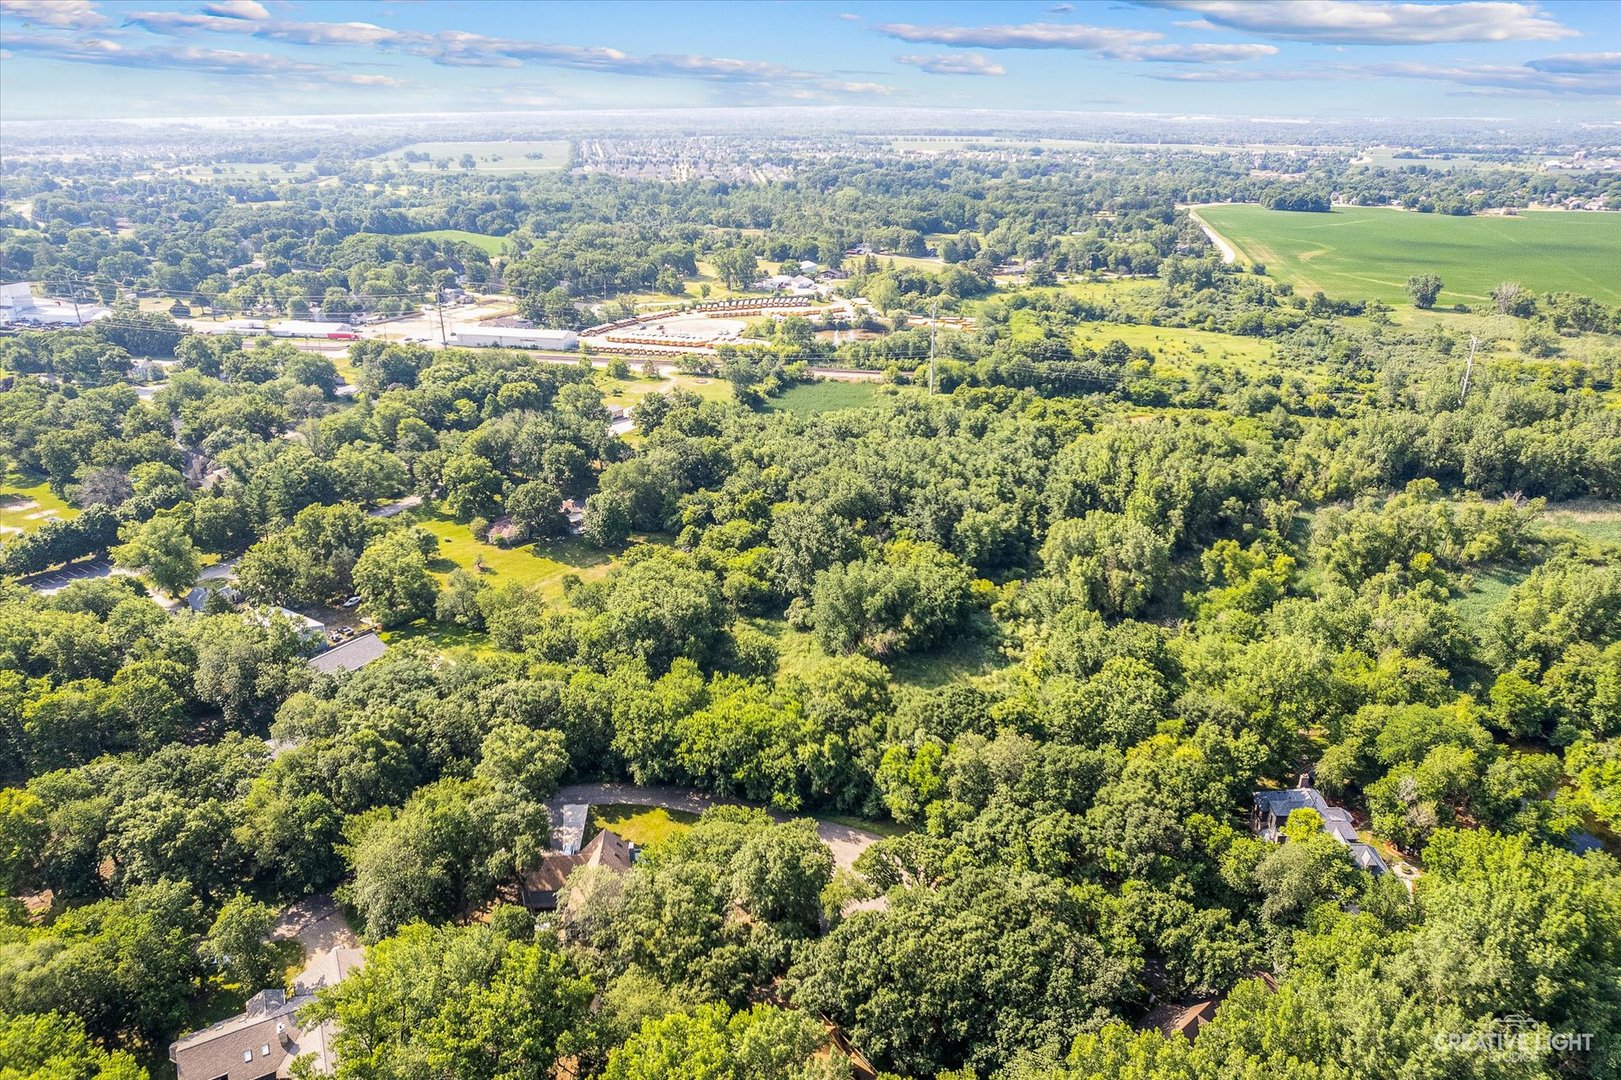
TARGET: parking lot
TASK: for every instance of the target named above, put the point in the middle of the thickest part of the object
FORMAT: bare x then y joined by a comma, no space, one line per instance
52,580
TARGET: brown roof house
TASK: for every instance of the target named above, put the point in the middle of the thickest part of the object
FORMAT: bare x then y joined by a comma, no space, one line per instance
261,1042
1186,1017
540,886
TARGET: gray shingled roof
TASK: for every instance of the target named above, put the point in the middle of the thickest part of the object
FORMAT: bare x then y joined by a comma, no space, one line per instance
1336,821
350,656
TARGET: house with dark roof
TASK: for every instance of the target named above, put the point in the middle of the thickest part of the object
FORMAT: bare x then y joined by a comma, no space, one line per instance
1271,812
539,887
258,1044
352,655
1180,1017
263,1040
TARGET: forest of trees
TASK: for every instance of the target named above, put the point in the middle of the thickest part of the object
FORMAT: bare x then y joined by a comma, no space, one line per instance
1046,631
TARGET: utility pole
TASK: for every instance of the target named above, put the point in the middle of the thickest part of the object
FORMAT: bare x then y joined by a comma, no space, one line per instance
1468,368
439,304
933,329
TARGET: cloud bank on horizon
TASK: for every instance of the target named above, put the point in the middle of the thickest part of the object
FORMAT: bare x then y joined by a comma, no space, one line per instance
1438,57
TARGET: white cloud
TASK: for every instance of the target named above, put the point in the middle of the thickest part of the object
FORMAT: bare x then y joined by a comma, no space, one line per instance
1377,23
1574,75
954,64
57,14
238,9
1578,63
1026,36
100,50
1192,54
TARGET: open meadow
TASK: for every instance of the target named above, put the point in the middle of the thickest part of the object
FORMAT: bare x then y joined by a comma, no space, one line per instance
489,157
1369,252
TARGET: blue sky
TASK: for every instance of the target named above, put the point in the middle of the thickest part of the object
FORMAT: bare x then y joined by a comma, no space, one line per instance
1298,58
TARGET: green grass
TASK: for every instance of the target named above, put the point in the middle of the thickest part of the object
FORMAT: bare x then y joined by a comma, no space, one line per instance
490,245
16,493
490,157
541,565
641,825
629,391
826,395
966,656
1489,587
1593,519
1365,252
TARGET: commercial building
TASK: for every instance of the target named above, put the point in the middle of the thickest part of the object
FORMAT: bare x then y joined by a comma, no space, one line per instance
515,337
19,305
308,329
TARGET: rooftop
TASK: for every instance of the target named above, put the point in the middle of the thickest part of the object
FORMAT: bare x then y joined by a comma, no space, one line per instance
352,655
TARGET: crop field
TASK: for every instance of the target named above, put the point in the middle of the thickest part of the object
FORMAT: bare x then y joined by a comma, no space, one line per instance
489,157
1367,252
808,399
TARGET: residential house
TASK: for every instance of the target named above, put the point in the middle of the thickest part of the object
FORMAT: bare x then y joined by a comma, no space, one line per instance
539,887
264,1039
258,1044
352,655
1272,809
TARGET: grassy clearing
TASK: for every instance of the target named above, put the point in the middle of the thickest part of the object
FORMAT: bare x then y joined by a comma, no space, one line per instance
490,245
541,565
826,395
1488,588
641,825
26,503
929,265
967,656
1384,157
1593,519
1366,252
1180,348
489,157
627,392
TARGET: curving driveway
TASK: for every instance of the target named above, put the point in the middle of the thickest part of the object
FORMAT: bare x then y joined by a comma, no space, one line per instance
845,841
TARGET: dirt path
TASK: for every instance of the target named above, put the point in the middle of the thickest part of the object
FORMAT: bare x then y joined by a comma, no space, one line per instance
846,842
1228,254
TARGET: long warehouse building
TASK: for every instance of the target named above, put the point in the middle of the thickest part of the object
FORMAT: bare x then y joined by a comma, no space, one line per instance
514,337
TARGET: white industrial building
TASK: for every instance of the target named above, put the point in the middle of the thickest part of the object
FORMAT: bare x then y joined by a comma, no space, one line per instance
18,304
242,327
514,337
309,328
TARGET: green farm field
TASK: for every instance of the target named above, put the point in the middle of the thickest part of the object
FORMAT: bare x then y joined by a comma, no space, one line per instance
825,395
1368,252
496,157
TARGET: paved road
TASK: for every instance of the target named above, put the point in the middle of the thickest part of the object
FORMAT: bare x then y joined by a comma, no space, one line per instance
844,841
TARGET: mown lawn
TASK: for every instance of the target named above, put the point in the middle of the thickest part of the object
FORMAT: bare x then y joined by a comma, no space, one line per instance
541,565
627,392
641,825
1368,252
26,503
490,245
